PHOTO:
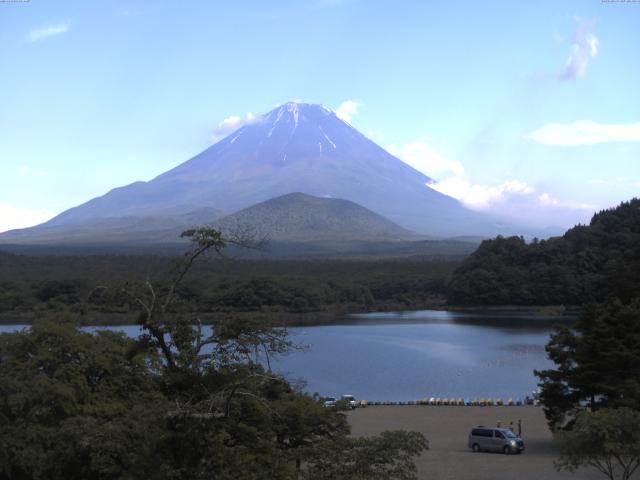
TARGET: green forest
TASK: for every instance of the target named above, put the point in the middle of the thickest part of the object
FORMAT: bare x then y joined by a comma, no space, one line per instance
92,287
589,263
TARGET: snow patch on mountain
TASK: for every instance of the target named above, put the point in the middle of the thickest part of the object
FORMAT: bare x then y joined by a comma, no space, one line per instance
328,139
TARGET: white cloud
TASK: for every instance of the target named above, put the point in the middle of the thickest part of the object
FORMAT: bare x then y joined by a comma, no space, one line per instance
232,123
496,197
546,200
17,217
516,201
454,180
583,50
36,34
347,110
511,199
585,132
481,197
426,159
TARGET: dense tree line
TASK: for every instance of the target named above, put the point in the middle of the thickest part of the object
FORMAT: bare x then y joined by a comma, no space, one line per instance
92,287
588,263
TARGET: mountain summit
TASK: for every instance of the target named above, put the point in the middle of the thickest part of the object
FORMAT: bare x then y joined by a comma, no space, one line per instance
297,147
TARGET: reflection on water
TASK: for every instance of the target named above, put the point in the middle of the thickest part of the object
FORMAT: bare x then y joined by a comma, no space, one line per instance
511,320
411,355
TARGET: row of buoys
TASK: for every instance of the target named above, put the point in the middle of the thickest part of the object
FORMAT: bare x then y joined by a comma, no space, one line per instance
452,401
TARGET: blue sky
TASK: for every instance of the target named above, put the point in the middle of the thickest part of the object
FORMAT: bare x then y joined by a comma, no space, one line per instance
523,109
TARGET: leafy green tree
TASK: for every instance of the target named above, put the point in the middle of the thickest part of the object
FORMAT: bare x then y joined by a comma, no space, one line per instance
74,406
221,384
607,440
597,363
387,456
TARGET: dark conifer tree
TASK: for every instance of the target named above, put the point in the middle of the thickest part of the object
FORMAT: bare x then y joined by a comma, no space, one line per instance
598,363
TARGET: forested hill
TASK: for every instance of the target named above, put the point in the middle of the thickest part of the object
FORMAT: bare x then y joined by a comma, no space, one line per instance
588,263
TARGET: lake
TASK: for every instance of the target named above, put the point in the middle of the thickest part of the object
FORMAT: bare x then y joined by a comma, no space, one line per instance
400,356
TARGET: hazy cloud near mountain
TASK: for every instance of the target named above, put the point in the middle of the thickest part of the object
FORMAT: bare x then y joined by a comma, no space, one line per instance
451,178
512,199
482,197
347,110
17,217
426,159
232,123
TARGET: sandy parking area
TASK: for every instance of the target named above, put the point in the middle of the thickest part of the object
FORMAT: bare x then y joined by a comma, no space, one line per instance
447,428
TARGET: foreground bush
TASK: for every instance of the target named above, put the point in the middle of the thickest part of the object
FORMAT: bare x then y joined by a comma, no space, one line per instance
607,440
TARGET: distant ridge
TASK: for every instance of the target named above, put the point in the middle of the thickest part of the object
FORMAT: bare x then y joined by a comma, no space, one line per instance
303,218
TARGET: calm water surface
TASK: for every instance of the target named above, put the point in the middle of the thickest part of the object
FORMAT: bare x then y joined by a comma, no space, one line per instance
411,355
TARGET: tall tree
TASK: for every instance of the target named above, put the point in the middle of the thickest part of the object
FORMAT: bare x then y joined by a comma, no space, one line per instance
597,363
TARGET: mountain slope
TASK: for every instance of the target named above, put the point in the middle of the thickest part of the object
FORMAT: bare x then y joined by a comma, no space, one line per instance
294,148
303,218
113,230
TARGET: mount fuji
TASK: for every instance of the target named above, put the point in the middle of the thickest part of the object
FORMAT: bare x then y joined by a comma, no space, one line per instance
297,147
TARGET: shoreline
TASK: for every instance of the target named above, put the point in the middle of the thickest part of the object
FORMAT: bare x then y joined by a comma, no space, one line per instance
294,319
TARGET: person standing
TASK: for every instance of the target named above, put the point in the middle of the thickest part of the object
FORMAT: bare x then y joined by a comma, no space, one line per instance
519,427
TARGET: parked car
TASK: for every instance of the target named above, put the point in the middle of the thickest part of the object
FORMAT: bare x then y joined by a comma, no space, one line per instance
329,402
350,401
495,440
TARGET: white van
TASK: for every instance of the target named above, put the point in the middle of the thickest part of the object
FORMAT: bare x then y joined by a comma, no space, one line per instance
495,440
